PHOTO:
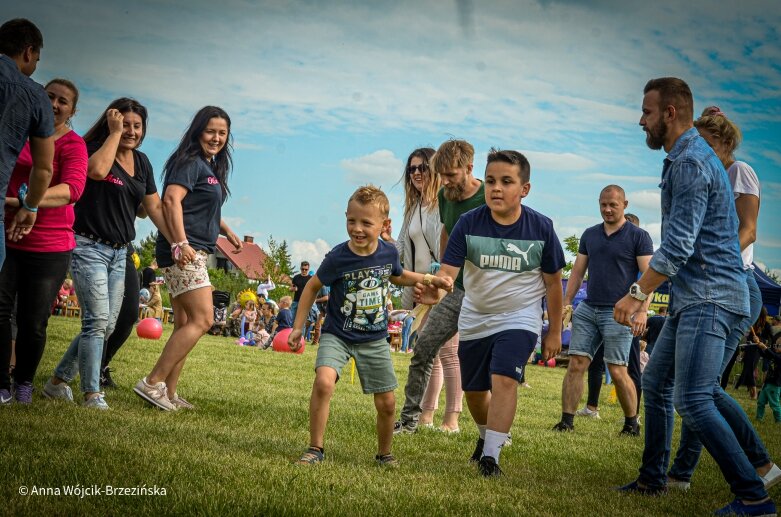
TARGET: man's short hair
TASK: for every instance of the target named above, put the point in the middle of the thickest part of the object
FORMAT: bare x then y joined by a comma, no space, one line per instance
371,195
18,34
632,218
611,188
673,92
513,158
453,154
304,263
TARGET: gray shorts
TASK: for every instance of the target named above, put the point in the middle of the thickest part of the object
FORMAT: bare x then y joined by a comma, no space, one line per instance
372,360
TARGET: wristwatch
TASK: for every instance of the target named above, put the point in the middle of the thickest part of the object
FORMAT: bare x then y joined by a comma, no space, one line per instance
636,293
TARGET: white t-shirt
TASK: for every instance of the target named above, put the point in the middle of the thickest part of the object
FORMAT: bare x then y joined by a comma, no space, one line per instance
744,181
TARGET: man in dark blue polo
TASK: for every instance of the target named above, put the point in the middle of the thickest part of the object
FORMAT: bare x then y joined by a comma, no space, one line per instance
25,112
613,252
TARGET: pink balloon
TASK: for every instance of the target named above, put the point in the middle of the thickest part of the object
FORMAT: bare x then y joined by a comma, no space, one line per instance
149,328
280,342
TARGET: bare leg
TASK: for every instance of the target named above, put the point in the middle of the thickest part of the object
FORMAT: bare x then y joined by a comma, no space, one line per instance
320,404
478,403
625,389
504,399
572,387
386,414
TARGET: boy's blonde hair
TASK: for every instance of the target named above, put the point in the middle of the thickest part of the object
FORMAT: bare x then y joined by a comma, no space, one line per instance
371,195
287,301
453,154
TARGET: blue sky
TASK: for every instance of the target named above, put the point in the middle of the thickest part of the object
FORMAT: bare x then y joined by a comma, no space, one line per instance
326,96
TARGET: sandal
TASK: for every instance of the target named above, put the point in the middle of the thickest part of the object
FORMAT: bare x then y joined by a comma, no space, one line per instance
386,460
312,456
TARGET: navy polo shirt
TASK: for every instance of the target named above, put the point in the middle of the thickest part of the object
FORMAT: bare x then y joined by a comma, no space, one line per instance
612,261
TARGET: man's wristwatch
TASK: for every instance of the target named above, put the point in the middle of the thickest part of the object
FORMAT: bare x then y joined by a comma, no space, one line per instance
636,293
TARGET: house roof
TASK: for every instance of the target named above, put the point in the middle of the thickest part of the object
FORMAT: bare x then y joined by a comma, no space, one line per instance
250,260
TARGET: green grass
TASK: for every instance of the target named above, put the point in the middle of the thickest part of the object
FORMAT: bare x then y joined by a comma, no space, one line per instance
233,455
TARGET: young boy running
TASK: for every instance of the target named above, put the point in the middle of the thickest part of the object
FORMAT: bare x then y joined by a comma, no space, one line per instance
511,259
356,324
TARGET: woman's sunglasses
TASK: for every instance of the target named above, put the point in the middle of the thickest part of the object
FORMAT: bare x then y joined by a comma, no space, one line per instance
423,168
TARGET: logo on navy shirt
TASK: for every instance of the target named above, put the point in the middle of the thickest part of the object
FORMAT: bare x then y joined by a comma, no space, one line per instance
113,179
211,180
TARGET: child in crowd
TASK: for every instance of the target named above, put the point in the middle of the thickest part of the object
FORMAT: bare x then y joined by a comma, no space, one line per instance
249,314
771,390
265,322
61,303
154,307
644,357
358,272
283,320
511,259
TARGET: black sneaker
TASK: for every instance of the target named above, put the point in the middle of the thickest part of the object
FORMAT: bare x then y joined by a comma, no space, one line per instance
488,467
563,427
105,378
401,427
478,451
630,430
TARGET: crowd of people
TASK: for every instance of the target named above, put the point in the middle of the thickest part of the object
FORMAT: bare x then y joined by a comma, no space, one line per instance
476,263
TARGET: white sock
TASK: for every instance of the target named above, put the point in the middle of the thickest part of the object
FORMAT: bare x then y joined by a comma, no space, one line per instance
493,443
481,430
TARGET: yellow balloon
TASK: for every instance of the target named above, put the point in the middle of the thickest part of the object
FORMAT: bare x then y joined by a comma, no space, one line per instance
136,260
246,296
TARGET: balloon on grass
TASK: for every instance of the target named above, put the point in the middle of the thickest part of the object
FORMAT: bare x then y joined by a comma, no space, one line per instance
280,342
149,328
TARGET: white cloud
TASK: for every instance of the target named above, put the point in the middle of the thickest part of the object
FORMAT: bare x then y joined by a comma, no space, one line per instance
234,223
770,242
380,168
558,161
614,178
771,190
312,252
647,199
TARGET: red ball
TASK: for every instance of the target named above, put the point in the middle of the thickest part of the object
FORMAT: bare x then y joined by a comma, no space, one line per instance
149,328
280,342
551,362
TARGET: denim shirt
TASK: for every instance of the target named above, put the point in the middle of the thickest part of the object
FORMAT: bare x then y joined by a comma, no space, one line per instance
700,251
25,110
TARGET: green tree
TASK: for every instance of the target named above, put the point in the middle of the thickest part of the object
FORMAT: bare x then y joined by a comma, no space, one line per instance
571,245
774,277
146,250
279,266
233,281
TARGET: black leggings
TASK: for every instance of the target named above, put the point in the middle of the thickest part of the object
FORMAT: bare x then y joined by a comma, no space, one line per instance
128,314
34,279
597,367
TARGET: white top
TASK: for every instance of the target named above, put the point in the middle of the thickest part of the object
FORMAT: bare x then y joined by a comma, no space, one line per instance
417,234
744,181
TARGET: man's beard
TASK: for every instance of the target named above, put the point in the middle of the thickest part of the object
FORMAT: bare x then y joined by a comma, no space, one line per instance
654,138
455,192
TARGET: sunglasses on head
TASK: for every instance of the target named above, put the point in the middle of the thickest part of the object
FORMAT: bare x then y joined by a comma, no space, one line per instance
413,168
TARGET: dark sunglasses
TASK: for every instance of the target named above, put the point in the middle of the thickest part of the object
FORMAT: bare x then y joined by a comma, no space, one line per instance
423,168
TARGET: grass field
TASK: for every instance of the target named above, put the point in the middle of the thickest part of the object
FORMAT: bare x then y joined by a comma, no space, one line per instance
234,454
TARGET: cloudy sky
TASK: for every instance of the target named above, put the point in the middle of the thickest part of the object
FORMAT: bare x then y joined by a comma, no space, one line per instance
326,96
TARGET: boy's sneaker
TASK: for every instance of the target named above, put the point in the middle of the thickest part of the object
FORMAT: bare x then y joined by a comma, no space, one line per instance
585,411
738,507
772,478
563,427
478,451
155,394
678,484
634,487
401,427
181,403
312,456
57,391
105,378
23,393
488,467
630,430
387,460
508,441
96,402
5,397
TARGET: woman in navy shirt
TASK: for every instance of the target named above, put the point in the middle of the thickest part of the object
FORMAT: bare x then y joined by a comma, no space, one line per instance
195,187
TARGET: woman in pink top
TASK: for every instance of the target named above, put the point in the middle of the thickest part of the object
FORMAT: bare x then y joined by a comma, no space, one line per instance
36,265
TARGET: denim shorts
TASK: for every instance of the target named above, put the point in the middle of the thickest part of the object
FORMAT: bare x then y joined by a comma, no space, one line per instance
504,353
372,360
188,278
592,326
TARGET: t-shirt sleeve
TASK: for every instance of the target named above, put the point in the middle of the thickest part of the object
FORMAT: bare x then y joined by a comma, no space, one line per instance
151,188
455,253
645,245
552,253
73,162
441,201
185,175
42,120
396,269
746,181
582,250
327,272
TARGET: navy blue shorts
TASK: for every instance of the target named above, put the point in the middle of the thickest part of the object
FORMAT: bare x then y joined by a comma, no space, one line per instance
505,353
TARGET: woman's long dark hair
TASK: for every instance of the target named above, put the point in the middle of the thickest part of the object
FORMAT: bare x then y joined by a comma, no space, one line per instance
99,130
190,147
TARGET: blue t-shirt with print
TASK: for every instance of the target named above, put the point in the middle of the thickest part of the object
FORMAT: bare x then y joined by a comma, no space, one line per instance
201,208
356,311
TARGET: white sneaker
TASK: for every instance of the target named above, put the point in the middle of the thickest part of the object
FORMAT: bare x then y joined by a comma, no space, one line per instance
155,394
96,402
59,391
588,413
773,477
678,484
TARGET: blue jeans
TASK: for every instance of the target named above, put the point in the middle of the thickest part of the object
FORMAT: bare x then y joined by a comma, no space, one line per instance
406,327
690,447
2,241
594,327
687,360
99,278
